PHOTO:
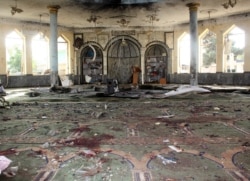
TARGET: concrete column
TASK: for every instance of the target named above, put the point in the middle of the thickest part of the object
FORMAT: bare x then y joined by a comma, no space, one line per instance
3,65
53,45
28,55
219,52
247,51
74,71
194,53
143,65
105,63
77,65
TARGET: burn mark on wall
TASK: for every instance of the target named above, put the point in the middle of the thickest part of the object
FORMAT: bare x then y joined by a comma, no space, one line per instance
118,1
101,5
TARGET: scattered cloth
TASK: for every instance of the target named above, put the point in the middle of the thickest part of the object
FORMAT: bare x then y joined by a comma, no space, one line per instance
185,89
4,163
2,91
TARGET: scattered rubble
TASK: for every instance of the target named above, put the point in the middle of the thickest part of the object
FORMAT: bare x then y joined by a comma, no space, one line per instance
79,136
166,160
175,148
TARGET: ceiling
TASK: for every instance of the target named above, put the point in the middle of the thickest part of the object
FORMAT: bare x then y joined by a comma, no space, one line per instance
118,13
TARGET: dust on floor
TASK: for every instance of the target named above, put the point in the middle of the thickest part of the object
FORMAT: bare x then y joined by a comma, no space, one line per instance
79,136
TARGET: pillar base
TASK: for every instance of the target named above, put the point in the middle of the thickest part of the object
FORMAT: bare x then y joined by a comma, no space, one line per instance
54,79
193,82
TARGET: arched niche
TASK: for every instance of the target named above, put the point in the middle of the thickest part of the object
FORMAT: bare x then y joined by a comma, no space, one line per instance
123,54
91,63
156,62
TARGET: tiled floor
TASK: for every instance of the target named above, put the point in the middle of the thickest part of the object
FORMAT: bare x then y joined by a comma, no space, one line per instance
79,136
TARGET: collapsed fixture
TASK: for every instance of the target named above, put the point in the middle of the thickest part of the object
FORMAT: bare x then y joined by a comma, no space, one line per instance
230,3
152,18
209,12
93,18
15,9
209,33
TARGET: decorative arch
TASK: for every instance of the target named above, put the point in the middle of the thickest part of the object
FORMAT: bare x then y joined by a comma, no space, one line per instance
156,62
120,37
93,43
91,62
64,37
123,53
229,29
158,43
20,33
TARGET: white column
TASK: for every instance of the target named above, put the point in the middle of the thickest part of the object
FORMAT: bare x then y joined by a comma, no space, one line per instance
53,45
142,65
28,54
247,51
194,49
219,52
105,63
3,69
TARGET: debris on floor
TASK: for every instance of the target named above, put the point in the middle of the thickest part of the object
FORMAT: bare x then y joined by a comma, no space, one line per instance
4,163
175,148
127,135
186,89
165,160
11,171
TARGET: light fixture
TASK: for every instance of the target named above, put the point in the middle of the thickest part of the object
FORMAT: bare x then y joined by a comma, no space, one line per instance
123,22
151,19
124,43
41,34
230,3
209,21
15,9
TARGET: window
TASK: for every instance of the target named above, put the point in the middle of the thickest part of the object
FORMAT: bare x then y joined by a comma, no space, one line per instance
14,53
40,55
63,66
208,52
234,50
184,54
